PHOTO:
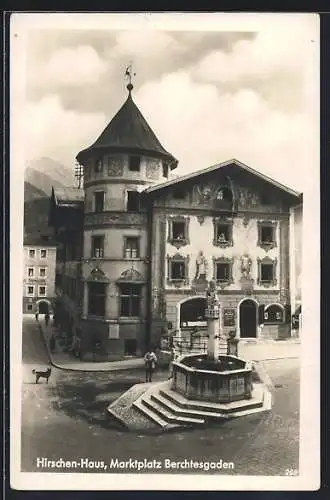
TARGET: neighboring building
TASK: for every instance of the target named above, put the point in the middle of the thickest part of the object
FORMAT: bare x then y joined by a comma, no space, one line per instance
296,223
39,276
150,244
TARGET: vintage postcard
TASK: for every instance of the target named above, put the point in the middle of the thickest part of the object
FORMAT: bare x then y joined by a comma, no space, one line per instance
164,251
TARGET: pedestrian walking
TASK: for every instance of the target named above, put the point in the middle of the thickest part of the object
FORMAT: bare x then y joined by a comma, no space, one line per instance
47,318
37,316
150,360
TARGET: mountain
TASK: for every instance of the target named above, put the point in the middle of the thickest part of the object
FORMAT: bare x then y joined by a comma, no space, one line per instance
44,173
40,176
32,193
51,168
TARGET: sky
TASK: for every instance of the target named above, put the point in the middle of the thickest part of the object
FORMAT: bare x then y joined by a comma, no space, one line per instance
209,95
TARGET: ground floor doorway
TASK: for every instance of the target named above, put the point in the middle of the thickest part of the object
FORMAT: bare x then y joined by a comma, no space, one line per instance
43,307
248,311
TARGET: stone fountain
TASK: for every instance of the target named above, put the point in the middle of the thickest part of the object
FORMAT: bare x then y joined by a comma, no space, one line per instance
203,388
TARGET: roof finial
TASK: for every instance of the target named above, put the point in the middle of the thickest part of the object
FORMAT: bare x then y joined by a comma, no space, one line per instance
129,73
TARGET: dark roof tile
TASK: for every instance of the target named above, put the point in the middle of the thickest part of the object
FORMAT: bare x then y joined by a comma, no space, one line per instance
128,131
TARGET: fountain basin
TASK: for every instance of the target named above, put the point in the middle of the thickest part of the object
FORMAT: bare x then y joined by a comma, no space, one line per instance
227,380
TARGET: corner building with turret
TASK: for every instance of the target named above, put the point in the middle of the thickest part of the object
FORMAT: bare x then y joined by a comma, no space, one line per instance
148,244
122,162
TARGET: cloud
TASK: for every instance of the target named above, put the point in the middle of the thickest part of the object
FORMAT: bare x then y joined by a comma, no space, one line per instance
57,133
202,127
207,97
70,67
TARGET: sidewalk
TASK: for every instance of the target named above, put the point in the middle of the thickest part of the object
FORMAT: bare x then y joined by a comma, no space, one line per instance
252,351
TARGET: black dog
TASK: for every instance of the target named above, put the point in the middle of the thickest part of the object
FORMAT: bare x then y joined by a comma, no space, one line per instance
45,374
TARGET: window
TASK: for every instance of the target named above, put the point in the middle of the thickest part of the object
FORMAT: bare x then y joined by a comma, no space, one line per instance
29,307
223,232
274,313
133,204
132,250
178,269
134,163
223,270
165,169
43,254
98,166
130,300
30,272
179,194
223,198
178,231
30,290
267,272
267,234
32,253
99,201
42,291
42,272
96,299
98,246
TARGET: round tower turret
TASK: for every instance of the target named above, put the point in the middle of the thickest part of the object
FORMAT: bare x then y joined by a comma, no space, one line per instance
125,159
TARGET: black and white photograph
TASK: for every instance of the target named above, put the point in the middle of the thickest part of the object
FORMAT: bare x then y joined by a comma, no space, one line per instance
164,251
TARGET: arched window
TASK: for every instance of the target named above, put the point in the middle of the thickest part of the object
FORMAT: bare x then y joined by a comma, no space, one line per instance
274,313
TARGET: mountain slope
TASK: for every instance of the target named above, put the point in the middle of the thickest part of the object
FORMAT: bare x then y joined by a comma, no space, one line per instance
53,169
32,193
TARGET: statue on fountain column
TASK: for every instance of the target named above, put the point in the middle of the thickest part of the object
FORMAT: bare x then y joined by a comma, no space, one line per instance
211,296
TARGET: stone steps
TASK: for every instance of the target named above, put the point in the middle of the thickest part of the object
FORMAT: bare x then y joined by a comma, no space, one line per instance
139,405
167,414
223,409
185,412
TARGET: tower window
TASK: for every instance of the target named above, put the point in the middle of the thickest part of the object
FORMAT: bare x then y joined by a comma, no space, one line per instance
96,299
30,272
165,169
97,246
131,247
99,201
134,163
98,166
133,204
130,300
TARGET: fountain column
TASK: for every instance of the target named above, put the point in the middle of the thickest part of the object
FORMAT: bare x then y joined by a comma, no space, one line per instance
212,315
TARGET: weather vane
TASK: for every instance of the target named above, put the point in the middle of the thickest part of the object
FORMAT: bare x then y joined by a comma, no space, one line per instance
129,73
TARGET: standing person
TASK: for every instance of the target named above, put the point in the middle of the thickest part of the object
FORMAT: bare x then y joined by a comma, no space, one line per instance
150,360
47,317
37,315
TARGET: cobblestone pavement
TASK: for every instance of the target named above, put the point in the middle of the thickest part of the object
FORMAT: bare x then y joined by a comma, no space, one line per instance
67,419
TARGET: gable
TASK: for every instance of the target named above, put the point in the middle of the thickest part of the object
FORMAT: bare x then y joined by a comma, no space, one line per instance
230,187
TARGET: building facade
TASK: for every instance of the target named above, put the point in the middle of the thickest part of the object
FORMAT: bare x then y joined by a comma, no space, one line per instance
150,244
39,277
230,224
